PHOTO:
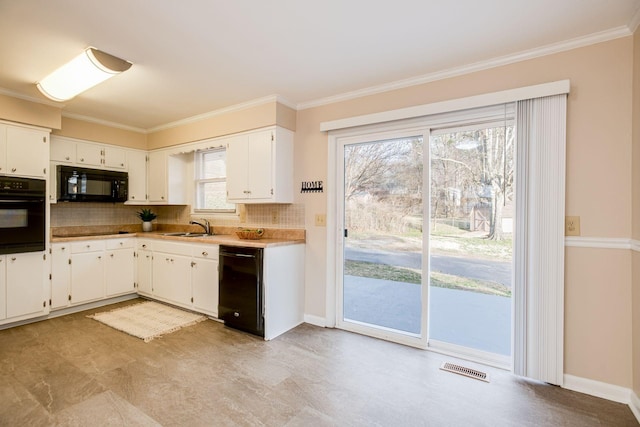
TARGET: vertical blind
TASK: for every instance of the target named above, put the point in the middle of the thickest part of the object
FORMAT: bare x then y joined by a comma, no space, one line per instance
539,252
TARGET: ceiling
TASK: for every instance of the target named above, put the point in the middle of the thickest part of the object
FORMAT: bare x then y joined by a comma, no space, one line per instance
196,56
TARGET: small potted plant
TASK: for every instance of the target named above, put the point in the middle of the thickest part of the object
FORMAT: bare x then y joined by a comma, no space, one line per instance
146,216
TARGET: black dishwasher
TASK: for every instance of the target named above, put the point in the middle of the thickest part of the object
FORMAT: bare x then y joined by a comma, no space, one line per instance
241,295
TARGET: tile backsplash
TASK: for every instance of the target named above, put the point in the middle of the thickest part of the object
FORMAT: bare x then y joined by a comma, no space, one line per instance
270,215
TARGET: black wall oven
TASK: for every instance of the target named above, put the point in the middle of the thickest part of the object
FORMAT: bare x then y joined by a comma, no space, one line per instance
91,185
22,214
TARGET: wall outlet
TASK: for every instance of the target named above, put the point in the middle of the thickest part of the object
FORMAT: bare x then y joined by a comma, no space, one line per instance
321,220
572,226
274,217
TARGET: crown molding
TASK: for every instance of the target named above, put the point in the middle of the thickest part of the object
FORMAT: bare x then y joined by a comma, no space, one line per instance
103,122
48,102
221,111
634,21
590,39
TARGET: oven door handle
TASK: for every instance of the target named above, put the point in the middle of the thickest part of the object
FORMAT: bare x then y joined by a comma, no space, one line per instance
21,201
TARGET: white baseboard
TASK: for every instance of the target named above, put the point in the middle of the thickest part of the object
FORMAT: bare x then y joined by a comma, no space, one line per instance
635,405
315,320
598,389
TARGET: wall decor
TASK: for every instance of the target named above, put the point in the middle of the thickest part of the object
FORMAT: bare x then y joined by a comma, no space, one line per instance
311,187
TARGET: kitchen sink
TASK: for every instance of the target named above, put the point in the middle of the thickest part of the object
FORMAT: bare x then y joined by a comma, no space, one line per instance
185,234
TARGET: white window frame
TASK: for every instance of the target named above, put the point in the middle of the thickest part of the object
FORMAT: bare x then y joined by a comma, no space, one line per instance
198,181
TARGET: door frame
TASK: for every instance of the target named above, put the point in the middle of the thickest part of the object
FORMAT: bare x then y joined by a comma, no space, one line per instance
334,250
388,334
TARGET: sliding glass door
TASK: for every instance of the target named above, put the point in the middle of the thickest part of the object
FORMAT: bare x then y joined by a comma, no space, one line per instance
383,288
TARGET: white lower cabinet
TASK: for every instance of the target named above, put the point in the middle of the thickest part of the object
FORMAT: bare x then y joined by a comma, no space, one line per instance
3,288
87,271
172,273
119,267
26,282
178,273
91,270
204,279
144,261
60,275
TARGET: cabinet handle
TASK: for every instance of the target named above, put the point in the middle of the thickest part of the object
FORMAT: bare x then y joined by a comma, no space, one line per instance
62,248
122,164
166,259
121,243
13,258
88,246
205,253
193,264
144,246
67,158
111,255
133,197
13,169
162,197
82,159
99,256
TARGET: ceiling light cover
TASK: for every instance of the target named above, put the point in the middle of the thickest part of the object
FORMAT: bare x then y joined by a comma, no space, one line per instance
81,73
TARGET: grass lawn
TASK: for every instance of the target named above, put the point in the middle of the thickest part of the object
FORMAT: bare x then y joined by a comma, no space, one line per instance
399,274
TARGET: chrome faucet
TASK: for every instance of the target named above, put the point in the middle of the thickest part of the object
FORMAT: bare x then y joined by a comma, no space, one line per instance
206,225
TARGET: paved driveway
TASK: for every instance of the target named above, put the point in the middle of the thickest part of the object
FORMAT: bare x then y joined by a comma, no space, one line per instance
464,318
482,269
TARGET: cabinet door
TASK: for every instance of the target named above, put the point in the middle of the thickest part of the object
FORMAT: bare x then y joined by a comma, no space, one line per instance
144,260
259,165
89,154
237,168
158,176
204,281
172,278
3,288
60,275
114,157
3,149
26,290
119,277
87,277
27,151
63,150
137,161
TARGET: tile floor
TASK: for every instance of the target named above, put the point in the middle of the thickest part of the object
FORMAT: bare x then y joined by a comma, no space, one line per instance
74,371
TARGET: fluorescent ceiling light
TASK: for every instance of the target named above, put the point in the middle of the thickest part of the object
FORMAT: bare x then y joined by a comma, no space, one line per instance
81,73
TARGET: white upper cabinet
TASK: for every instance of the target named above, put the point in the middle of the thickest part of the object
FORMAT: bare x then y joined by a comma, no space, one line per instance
63,150
3,149
98,155
114,157
260,167
167,177
137,162
158,177
23,151
88,155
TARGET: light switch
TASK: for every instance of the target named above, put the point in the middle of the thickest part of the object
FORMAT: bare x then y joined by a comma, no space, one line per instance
321,220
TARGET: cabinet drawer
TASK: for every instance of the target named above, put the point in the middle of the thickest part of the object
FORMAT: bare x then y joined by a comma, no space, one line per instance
87,246
125,243
61,248
172,248
144,245
205,251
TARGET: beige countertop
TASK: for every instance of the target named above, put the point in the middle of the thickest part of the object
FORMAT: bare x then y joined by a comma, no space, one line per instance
272,238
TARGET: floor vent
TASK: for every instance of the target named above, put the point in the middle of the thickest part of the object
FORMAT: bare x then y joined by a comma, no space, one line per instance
463,370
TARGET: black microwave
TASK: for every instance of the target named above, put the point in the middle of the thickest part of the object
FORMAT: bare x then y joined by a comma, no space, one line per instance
91,185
